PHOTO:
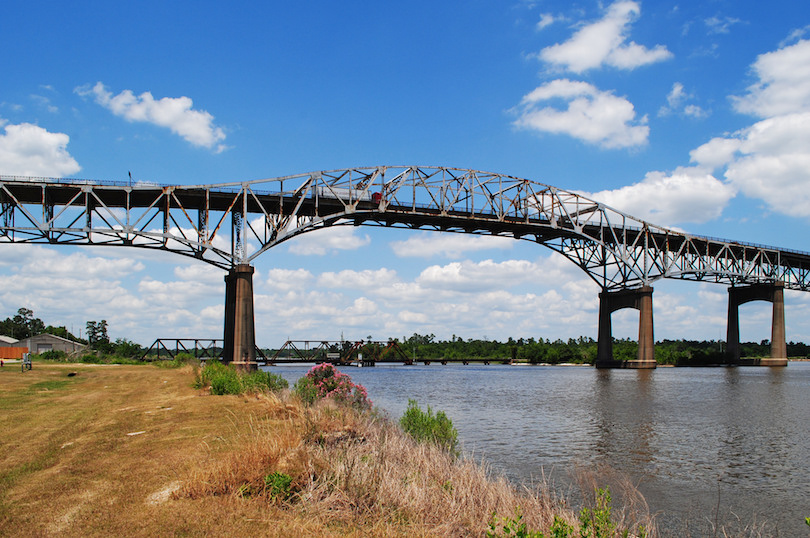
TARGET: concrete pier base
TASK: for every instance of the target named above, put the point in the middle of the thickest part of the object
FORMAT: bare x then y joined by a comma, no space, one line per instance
773,293
609,302
239,348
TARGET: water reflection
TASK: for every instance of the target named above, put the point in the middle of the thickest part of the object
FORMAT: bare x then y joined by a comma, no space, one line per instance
624,414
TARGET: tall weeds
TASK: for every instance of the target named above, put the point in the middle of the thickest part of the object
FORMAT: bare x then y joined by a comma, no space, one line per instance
361,471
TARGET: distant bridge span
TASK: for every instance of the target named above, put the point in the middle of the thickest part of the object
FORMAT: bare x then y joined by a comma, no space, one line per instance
230,224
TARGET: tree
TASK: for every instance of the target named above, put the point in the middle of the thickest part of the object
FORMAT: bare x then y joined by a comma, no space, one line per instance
22,325
97,334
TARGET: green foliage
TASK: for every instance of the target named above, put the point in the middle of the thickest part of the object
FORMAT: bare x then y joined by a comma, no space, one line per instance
807,520
22,325
278,485
325,381
261,381
226,382
127,348
305,389
581,350
561,529
424,426
98,338
595,522
53,355
224,379
89,358
181,359
507,526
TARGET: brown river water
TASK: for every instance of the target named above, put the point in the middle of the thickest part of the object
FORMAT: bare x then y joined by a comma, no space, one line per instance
706,446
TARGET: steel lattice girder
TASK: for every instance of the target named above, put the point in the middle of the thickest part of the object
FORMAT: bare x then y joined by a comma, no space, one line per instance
230,223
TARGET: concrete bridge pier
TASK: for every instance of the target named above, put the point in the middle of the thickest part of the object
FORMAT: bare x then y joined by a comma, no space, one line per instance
239,348
609,302
773,293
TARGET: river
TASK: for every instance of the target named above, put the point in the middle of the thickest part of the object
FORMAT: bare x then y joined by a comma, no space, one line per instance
704,445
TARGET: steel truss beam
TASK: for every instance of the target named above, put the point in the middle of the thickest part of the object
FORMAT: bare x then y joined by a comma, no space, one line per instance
233,223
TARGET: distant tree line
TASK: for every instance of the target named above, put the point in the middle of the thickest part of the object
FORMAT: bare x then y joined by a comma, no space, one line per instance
581,350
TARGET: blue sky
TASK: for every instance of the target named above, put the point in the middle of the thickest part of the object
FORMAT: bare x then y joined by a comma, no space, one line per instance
694,115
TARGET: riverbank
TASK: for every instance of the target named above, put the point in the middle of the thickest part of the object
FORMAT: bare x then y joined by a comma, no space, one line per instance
135,450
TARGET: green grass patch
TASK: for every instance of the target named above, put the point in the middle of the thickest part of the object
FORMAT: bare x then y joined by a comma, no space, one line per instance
51,384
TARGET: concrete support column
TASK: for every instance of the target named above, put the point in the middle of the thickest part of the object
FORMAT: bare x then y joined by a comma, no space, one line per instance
773,293
609,302
778,341
240,333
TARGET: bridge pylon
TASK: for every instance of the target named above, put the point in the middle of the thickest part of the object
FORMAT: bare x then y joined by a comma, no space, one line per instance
773,293
239,347
609,302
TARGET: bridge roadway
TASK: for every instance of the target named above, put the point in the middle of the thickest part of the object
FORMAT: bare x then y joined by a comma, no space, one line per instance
622,254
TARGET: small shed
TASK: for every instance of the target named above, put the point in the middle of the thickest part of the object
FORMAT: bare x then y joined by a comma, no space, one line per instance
7,340
7,349
49,342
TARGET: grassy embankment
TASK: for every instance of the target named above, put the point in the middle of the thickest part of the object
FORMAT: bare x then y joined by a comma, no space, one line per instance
135,450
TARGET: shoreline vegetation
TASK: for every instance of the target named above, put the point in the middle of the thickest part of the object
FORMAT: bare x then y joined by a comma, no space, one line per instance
92,449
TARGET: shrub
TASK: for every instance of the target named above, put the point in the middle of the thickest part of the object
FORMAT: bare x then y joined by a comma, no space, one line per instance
226,382
181,359
223,379
325,381
261,381
89,358
278,485
53,355
424,426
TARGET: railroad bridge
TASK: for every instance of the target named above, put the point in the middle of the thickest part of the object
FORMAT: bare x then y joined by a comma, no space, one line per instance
230,224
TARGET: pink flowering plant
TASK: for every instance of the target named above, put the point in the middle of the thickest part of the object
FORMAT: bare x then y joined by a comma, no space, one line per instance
325,381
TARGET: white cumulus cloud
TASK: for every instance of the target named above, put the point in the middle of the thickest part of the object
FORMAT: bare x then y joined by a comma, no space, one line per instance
770,160
689,194
427,245
30,150
784,83
470,276
604,42
592,115
175,113
289,279
321,242
365,279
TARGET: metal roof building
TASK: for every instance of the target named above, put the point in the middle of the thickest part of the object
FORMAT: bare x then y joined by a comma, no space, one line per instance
48,342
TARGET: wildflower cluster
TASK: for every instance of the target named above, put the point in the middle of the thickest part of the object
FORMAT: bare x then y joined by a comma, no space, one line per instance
325,381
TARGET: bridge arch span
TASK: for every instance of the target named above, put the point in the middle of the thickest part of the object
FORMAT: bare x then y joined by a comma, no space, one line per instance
230,224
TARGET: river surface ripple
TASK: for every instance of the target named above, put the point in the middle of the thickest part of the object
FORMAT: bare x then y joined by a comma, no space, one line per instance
730,445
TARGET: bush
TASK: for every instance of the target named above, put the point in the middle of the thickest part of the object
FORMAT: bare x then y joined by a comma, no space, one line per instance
223,379
278,485
325,381
53,355
427,427
262,381
89,358
181,359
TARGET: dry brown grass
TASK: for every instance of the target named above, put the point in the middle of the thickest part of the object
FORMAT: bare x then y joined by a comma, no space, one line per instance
366,476
69,467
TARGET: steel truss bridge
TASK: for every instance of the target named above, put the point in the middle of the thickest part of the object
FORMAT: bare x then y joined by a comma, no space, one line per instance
230,224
